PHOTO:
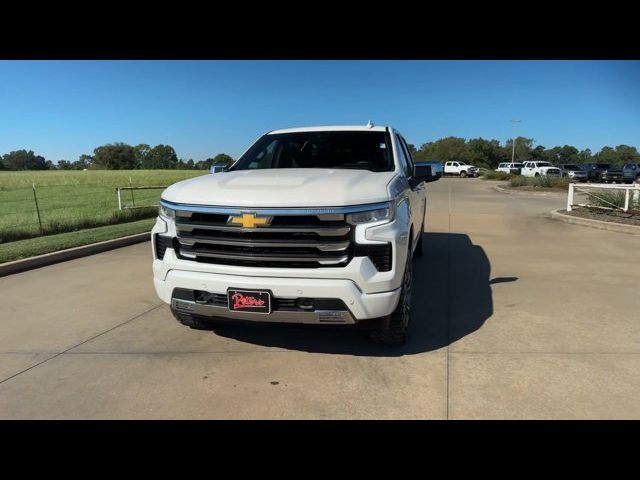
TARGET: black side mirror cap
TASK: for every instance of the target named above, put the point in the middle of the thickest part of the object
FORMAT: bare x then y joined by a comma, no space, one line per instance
427,171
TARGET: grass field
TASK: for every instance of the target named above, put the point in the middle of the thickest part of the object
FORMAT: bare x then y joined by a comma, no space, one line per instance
52,243
74,200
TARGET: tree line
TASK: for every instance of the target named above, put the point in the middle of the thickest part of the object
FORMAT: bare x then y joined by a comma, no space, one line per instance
489,153
114,156
478,151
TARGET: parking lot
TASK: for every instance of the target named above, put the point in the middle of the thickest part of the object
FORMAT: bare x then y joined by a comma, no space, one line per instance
515,316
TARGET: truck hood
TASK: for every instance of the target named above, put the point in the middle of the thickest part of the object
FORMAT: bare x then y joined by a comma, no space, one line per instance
283,187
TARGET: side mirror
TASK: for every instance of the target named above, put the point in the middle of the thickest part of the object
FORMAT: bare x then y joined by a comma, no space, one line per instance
427,171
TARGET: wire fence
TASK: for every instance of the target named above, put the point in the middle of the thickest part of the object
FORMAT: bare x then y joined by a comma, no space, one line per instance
38,210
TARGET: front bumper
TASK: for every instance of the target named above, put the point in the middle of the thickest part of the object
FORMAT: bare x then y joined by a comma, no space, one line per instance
366,292
360,306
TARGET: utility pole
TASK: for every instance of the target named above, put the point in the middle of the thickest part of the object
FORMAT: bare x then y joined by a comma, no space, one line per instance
513,140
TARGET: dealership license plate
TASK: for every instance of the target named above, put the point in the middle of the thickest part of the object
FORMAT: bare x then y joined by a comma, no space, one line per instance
252,301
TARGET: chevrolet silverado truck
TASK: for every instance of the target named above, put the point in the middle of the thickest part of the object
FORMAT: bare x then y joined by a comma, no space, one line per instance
461,169
310,225
535,169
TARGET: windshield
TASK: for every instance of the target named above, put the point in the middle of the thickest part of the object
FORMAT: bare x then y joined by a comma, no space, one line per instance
571,167
543,164
357,150
603,165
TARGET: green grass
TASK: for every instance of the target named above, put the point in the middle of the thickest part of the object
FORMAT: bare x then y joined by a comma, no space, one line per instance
611,199
543,181
52,243
493,175
74,200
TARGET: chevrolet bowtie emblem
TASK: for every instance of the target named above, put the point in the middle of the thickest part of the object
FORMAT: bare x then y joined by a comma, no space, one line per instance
249,220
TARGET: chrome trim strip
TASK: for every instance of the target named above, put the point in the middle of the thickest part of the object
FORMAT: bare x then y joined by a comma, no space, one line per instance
286,316
274,211
325,247
322,231
268,258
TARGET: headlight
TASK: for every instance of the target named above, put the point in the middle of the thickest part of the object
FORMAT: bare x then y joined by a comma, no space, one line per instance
371,215
167,213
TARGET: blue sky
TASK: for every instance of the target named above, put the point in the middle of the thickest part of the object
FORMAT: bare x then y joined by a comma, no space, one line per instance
61,109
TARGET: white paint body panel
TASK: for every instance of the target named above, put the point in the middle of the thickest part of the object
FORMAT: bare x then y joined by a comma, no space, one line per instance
366,292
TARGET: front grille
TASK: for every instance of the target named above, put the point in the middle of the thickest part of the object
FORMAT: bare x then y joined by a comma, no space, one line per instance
291,241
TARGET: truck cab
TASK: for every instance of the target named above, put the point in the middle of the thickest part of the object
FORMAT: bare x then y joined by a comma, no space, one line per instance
315,225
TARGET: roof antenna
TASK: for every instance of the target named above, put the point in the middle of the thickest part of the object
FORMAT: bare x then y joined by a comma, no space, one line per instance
369,124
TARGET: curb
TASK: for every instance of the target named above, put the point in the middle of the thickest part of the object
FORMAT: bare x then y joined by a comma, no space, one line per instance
500,189
587,222
25,264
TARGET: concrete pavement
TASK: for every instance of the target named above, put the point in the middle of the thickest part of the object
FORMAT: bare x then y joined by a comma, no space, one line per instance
518,316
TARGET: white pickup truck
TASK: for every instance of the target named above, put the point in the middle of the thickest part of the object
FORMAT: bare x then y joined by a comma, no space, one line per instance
460,169
535,169
310,225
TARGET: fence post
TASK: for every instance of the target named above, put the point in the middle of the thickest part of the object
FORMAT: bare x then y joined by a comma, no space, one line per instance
626,199
130,185
636,193
35,198
119,199
570,197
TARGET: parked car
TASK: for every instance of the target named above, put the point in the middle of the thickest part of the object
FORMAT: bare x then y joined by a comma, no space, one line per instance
631,173
315,225
573,172
461,169
513,168
612,175
595,170
535,169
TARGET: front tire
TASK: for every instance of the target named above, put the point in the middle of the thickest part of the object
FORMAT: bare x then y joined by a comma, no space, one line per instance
395,333
463,174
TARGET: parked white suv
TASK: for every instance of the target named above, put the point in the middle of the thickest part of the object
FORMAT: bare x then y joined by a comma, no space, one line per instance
535,169
461,169
310,225
514,168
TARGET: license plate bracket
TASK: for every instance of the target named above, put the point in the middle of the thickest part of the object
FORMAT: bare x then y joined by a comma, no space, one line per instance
249,300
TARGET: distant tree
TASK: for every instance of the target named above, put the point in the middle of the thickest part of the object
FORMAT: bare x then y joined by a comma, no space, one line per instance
65,165
190,164
412,149
486,152
627,154
84,161
584,156
24,160
523,148
115,156
141,152
223,158
160,156
445,149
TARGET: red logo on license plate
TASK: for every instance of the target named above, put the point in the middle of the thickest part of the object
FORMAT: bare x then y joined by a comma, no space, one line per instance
245,301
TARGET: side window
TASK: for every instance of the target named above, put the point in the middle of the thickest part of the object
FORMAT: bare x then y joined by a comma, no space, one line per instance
408,154
402,156
455,164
